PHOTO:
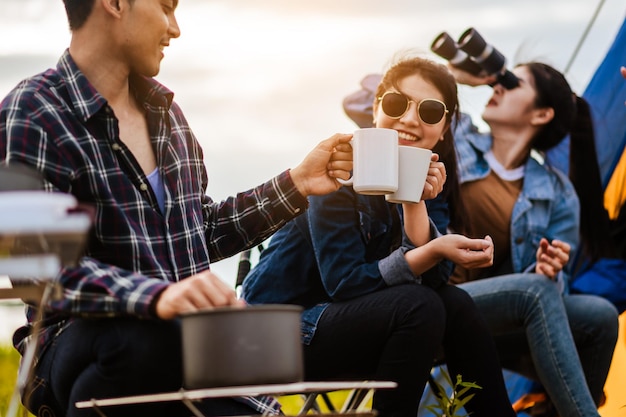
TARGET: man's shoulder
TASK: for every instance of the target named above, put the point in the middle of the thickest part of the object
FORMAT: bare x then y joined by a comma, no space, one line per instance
44,87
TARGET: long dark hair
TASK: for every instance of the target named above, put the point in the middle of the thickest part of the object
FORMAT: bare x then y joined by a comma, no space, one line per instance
552,90
572,116
585,175
439,76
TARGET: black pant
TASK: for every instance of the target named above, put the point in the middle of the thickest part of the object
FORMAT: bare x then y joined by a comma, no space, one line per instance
394,334
116,357
471,352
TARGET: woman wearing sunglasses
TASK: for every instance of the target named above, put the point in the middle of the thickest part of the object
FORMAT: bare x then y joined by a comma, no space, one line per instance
371,275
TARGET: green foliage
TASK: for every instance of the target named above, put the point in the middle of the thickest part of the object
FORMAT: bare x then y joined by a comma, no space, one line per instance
452,405
9,362
9,359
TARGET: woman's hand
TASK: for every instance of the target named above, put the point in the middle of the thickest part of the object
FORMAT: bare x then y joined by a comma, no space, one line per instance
463,251
435,179
552,257
466,252
464,77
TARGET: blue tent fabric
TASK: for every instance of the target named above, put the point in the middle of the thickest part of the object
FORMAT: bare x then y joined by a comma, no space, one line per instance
606,278
606,94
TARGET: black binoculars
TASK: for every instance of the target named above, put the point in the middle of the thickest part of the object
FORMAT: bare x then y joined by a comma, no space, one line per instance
472,54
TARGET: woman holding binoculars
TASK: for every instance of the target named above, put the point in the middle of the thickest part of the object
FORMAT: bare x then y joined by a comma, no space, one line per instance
372,275
533,213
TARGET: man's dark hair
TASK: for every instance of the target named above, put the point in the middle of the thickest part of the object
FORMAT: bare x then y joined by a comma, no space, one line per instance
77,12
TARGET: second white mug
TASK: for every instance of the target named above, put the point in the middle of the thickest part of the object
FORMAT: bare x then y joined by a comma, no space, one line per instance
413,169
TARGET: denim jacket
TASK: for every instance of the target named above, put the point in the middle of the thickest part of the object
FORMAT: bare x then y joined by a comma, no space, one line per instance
346,245
547,206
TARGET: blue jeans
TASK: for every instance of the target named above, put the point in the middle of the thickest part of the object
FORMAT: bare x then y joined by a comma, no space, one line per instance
571,362
104,358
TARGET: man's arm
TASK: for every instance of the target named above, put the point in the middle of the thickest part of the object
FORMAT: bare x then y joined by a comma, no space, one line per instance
244,221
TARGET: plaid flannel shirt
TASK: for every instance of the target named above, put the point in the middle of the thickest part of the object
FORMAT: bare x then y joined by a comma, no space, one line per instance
57,122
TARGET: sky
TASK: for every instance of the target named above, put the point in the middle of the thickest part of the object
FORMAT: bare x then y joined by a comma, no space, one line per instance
261,82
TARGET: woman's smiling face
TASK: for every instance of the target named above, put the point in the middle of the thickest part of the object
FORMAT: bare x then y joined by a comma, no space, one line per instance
411,130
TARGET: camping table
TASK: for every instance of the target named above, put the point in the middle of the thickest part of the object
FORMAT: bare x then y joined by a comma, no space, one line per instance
34,246
309,389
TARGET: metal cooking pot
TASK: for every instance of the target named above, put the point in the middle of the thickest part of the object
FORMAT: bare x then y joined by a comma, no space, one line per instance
255,345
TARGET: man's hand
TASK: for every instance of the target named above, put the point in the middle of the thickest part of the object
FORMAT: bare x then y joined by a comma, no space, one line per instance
551,257
201,291
331,159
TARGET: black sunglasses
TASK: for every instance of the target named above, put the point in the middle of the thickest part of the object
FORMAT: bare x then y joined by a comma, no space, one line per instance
430,111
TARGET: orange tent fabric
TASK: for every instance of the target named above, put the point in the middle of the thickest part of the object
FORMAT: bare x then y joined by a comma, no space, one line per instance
615,192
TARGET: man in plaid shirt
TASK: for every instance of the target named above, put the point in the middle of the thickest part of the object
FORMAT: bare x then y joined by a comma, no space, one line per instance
100,127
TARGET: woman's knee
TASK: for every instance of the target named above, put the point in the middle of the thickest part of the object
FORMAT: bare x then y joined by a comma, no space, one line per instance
456,299
539,284
419,299
420,307
532,291
462,313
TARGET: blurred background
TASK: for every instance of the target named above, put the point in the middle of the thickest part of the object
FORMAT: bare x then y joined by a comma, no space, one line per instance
262,83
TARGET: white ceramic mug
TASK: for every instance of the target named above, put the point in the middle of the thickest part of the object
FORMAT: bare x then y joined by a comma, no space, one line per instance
413,169
375,161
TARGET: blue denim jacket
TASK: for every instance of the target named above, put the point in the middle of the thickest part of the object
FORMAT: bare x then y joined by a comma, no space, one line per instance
344,246
547,206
